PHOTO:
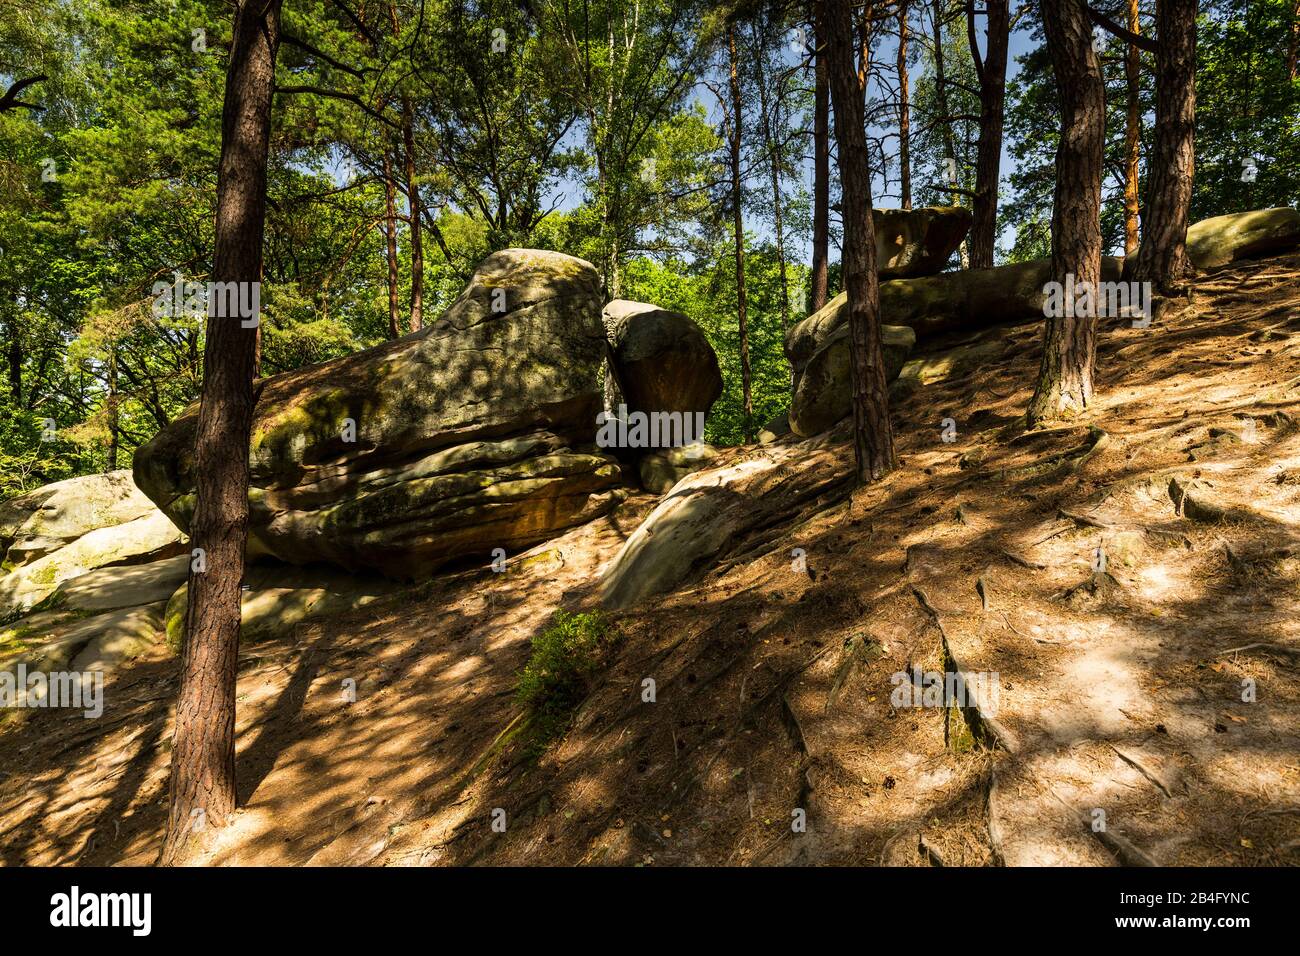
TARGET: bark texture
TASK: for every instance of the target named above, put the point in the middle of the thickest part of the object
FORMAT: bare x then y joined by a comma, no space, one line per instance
820,278
1069,341
992,75
202,790
873,439
1162,259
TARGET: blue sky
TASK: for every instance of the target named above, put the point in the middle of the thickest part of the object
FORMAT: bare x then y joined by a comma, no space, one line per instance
1021,41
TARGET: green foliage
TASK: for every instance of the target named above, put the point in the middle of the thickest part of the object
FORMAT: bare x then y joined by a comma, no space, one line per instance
707,293
26,460
554,680
598,129
1247,109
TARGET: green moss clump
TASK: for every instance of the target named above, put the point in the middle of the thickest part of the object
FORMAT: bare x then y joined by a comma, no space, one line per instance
16,639
174,619
554,680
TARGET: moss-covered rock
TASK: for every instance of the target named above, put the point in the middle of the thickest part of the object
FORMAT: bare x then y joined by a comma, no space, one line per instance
823,392
662,469
116,544
80,642
972,299
469,435
42,521
277,597
951,301
1242,235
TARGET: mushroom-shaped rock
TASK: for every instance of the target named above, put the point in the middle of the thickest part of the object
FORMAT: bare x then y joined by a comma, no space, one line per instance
917,242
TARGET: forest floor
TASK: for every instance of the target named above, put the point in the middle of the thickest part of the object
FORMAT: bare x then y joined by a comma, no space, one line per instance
1142,709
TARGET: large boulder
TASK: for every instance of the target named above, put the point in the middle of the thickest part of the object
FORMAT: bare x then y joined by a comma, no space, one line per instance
107,589
42,521
91,562
823,387
151,536
54,641
917,242
951,301
910,309
660,361
276,598
470,435
718,511
1242,235
660,470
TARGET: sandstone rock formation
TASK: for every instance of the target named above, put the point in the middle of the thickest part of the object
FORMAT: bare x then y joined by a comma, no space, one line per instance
277,597
65,530
1243,235
93,561
952,301
470,435
42,521
660,470
917,242
823,387
660,360
973,299
719,509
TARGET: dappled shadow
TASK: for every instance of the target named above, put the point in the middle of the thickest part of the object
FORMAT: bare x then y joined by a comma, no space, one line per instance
772,677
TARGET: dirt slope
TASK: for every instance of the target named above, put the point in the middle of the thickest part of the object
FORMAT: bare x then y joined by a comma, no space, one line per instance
1118,691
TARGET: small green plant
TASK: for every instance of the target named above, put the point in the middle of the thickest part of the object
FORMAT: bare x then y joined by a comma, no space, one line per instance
554,680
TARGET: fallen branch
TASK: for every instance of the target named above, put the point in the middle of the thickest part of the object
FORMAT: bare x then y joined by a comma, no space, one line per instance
1141,768
1282,649
1023,561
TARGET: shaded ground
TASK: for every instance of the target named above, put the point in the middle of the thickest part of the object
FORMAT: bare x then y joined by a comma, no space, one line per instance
1117,692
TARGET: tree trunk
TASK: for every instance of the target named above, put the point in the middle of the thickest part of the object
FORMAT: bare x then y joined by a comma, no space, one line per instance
15,363
112,408
1162,259
941,96
1069,342
257,352
766,108
390,236
1293,47
615,272
736,202
203,747
873,439
413,207
1132,133
904,117
865,18
820,278
992,74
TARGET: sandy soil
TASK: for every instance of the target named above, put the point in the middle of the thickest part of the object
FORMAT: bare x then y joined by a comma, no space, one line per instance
1118,694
